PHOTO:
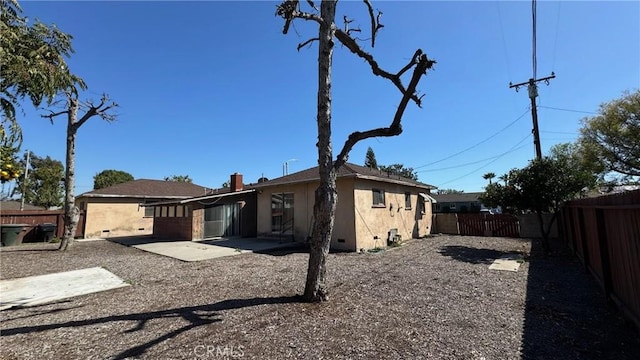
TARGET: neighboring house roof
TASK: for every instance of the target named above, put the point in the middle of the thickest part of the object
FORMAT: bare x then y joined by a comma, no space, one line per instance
463,197
152,189
15,205
345,171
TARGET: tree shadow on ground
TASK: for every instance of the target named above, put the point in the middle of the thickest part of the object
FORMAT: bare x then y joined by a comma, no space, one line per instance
566,315
472,255
195,315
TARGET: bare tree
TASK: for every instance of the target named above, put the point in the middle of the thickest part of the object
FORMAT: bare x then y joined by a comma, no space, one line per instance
326,196
90,109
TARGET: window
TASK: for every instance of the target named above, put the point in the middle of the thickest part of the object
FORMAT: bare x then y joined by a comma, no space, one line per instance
157,211
148,211
282,213
452,206
407,201
180,211
378,198
172,211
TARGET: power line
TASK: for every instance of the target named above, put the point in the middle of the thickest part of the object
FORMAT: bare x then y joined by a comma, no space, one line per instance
534,59
473,162
476,145
513,148
569,110
559,132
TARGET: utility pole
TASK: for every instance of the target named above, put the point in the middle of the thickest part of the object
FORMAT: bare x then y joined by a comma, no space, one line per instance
24,181
533,93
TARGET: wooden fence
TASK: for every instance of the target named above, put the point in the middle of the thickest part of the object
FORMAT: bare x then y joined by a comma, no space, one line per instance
604,232
32,218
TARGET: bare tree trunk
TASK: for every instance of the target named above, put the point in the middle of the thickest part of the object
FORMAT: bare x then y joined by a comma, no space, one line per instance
326,195
71,212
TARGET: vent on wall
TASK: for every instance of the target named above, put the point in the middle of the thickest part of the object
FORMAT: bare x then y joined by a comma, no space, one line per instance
340,240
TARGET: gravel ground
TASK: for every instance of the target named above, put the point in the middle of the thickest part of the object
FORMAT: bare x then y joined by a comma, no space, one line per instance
430,299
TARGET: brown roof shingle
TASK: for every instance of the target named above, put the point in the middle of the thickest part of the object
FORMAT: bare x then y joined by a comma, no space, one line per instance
146,188
347,170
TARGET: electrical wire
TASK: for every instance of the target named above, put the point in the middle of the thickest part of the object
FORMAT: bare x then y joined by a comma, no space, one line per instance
533,54
559,132
478,144
512,149
569,110
465,164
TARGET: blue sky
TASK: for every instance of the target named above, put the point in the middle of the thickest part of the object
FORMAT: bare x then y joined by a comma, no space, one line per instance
211,88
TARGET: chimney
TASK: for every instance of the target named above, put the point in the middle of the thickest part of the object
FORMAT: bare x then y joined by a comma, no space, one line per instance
236,182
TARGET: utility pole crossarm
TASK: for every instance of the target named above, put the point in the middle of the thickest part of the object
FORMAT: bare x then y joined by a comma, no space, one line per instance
533,93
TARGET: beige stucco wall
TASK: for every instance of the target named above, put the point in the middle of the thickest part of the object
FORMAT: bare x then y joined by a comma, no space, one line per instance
121,217
356,222
303,199
373,223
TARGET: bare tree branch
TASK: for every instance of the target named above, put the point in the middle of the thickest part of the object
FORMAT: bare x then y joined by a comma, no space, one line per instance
54,114
308,42
288,10
353,46
375,22
395,128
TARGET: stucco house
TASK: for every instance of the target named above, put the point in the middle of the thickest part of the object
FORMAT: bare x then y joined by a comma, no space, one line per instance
372,206
458,203
225,212
119,210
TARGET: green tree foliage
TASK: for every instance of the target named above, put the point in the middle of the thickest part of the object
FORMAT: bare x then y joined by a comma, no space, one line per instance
542,186
178,178
370,159
44,185
400,170
108,178
448,191
612,137
33,63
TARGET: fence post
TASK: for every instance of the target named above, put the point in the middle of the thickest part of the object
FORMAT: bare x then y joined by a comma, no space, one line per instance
604,255
583,239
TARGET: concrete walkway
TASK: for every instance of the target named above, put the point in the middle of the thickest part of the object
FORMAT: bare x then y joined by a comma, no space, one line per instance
37,290
206,249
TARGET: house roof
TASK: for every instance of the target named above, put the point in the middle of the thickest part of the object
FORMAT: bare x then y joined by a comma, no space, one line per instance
15,205
146,188
463,197
346,170
202,198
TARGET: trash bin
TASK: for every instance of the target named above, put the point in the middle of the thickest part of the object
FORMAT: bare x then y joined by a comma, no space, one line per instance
47,231
10,233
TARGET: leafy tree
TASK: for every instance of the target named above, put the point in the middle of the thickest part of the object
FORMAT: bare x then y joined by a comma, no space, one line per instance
489,176
400,170
612,137
178,178
108,178
33,63
44,185
448,191
370,159
9,166
541,187
326,195
71,106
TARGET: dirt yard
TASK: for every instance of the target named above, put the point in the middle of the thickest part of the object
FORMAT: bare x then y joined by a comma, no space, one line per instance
430,299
